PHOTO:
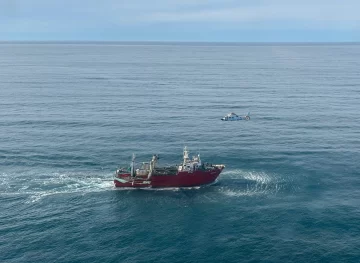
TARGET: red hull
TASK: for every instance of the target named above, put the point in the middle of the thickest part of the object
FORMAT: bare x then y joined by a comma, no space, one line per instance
181,179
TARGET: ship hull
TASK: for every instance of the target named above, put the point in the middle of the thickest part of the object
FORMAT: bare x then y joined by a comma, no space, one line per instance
181,179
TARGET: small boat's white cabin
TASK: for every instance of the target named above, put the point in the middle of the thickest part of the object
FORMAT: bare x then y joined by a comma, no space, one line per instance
234,117
231,117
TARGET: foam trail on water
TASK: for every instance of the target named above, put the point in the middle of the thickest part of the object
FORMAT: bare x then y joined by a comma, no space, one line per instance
239,182
36,185
39,185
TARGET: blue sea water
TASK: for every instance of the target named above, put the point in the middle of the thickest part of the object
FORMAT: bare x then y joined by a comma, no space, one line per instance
70,113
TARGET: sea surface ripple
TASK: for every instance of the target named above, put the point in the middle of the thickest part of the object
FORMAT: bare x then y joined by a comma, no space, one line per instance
72,112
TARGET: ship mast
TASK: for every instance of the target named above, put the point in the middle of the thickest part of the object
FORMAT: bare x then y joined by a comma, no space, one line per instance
186,156
152,165
132,165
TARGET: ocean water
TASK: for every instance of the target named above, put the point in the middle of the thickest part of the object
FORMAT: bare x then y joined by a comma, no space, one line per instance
71,113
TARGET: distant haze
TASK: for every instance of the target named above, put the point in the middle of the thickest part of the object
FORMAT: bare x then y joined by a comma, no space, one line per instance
181,20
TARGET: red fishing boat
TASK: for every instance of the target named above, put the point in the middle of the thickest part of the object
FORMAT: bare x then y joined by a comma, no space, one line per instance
192,172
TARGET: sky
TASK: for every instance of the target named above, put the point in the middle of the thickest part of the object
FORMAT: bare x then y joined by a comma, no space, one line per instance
181,20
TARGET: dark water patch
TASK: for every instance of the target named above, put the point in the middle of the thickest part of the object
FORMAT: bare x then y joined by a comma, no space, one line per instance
95,78
345,85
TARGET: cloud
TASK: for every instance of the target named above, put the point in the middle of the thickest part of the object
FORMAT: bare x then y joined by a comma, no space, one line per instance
322,14
72,16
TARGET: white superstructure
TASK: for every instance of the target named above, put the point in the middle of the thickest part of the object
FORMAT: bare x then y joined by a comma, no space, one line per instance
190,164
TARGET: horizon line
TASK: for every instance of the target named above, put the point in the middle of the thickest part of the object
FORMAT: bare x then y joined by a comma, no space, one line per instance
172,42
